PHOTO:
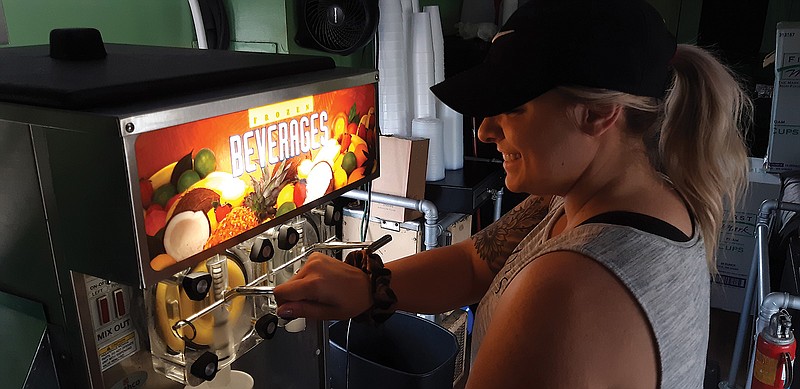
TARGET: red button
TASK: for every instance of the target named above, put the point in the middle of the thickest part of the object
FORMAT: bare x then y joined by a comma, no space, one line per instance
103,310
119,303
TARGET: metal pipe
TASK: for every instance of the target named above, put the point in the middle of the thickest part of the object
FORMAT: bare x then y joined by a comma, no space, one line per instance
199,27
497,197
761,251
756,276
774,302
424,206
753,278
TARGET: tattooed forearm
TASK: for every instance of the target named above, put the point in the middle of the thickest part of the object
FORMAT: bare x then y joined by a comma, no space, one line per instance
496,242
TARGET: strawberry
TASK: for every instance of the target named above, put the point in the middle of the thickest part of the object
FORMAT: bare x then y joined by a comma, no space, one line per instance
300,193
146,190
221,211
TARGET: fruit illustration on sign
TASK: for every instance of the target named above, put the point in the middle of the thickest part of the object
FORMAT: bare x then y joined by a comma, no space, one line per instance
340,124
184,205
205,162
263,199
186,234
163,193
189,228
155,218
319,181
356,175
304,168
161,177
187,179
300,192
237,221
367,124
146,191
190,206
349,162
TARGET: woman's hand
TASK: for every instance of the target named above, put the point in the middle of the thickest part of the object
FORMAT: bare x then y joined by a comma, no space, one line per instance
324,288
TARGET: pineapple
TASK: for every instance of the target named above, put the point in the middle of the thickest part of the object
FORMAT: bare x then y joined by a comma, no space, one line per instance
266,189
259,205
237,221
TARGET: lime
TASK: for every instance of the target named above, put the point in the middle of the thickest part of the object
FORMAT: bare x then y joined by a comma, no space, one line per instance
349,162
187,179
285,208
163,193
205,162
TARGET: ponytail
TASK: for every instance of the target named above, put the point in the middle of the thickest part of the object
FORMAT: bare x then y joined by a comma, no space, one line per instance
694,136
701,142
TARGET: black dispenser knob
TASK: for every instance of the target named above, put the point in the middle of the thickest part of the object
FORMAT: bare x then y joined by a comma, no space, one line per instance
333,215
266,326
196,285
262,250
287,237
76,44
205,367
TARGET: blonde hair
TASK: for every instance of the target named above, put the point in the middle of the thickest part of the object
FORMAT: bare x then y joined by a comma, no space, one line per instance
694,136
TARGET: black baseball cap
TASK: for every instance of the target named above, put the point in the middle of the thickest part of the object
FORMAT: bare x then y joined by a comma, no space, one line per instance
621,45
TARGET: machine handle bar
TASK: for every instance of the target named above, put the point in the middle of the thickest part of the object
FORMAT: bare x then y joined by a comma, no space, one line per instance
253,288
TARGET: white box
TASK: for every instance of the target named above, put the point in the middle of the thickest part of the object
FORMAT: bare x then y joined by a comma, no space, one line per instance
783,150
737,241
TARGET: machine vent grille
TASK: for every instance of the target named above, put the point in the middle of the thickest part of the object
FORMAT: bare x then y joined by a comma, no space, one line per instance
456,322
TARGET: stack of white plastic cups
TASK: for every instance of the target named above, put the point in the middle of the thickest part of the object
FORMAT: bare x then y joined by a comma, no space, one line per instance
393,93
422,73
453,122
431,128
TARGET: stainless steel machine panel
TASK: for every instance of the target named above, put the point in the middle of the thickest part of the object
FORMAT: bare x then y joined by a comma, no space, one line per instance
116,282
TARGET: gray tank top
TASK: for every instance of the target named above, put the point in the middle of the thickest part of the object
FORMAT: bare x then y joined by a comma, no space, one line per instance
669,279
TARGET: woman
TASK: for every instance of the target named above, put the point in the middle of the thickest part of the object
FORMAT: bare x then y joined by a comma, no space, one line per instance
629,146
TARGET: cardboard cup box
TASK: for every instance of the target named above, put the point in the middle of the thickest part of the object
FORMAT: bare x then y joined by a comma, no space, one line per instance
403,161
783,150
737,240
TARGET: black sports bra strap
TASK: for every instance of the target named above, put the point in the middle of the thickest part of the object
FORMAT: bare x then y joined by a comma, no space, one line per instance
640,222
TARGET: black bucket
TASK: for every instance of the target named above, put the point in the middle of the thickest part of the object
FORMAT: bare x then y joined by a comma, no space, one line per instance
405,352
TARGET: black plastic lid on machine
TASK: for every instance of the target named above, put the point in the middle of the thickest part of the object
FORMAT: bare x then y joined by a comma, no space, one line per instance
78,71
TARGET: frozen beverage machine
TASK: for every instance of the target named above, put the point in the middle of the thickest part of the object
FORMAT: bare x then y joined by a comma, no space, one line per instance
154,197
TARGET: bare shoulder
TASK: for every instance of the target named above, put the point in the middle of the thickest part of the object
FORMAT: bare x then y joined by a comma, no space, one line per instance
496,242
565,322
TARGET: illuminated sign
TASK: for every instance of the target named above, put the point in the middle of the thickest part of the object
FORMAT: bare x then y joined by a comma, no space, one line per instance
205,182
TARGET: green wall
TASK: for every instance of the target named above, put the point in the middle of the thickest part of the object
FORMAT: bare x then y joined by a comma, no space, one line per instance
151,22
257,25
269,25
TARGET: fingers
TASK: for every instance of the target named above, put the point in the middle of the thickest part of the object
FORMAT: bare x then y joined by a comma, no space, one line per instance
324,288
296,289
314,259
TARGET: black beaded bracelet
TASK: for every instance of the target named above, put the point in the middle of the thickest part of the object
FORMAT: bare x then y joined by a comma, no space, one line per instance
383,296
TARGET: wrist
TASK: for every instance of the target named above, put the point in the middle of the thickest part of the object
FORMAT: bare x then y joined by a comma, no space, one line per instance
381,297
